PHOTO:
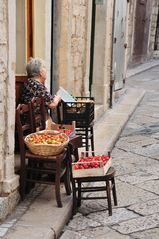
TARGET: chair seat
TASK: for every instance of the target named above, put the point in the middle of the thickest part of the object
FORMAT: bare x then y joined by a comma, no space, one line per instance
48,170
29,154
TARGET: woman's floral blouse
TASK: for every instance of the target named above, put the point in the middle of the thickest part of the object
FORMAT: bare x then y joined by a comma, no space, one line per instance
33,88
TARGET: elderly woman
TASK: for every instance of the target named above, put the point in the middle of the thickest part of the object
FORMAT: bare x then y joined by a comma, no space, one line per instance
35,84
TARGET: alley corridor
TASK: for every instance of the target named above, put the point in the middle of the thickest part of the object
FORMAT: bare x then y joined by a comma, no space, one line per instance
136,160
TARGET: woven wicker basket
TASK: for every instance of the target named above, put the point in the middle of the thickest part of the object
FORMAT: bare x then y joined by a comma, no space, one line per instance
46,149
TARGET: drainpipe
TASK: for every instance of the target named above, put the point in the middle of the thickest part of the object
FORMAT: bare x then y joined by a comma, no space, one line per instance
53,82
112,76
92,45
52,48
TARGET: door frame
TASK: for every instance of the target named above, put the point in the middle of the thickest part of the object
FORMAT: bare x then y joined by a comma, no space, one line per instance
29,41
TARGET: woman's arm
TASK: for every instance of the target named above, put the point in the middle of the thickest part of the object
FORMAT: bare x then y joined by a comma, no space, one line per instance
50,100
55,102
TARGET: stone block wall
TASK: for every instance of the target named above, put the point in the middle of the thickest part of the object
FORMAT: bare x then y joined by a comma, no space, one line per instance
9,182
130,37
73,48
155,9
108,53
78,44
153,23
73,45
3,81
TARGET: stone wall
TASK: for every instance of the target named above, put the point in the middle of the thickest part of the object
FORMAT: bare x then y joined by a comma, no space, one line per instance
153,23
78,44
8,180
102,53
155,9
108,54
72,51
130,37
3,78
73,55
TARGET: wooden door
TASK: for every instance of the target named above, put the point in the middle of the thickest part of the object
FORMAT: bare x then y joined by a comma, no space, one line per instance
24,34
156,44
29,28
141,31
119,54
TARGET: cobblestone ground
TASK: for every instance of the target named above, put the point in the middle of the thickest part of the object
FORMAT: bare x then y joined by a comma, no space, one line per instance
136,160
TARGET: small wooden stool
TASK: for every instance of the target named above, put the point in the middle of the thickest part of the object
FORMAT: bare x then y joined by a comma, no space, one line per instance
78,189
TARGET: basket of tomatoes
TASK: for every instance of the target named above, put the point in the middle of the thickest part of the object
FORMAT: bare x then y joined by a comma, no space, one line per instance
91,166
46,142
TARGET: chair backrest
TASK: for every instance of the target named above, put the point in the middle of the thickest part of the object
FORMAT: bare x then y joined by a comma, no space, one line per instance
39,113
24,124
20,79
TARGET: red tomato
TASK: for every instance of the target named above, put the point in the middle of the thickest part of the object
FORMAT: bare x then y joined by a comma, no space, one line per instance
76,166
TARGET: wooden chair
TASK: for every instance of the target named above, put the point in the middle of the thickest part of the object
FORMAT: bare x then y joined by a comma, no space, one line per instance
34,168
109,187
39,113
20,79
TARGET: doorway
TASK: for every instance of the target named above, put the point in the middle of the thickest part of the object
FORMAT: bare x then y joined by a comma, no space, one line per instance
156,43
24,41
119,34
141,31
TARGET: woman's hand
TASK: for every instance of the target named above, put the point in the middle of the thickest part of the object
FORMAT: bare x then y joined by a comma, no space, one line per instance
56,101
57,98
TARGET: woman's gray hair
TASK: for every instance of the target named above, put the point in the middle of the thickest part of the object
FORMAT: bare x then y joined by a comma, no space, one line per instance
34,66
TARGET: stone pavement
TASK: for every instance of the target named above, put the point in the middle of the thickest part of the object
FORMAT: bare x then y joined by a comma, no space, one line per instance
142,67
37,217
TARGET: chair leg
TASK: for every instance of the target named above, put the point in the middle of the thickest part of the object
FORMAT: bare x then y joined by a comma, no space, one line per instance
79,193
92,139
30,185
76,155
57,184
87,144
114,191
67,182
22,184
109,197
67,175
74,208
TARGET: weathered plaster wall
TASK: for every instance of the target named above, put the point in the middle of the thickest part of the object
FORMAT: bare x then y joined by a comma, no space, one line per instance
130,37
72,54
8,180
103,52
74,48
155,9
